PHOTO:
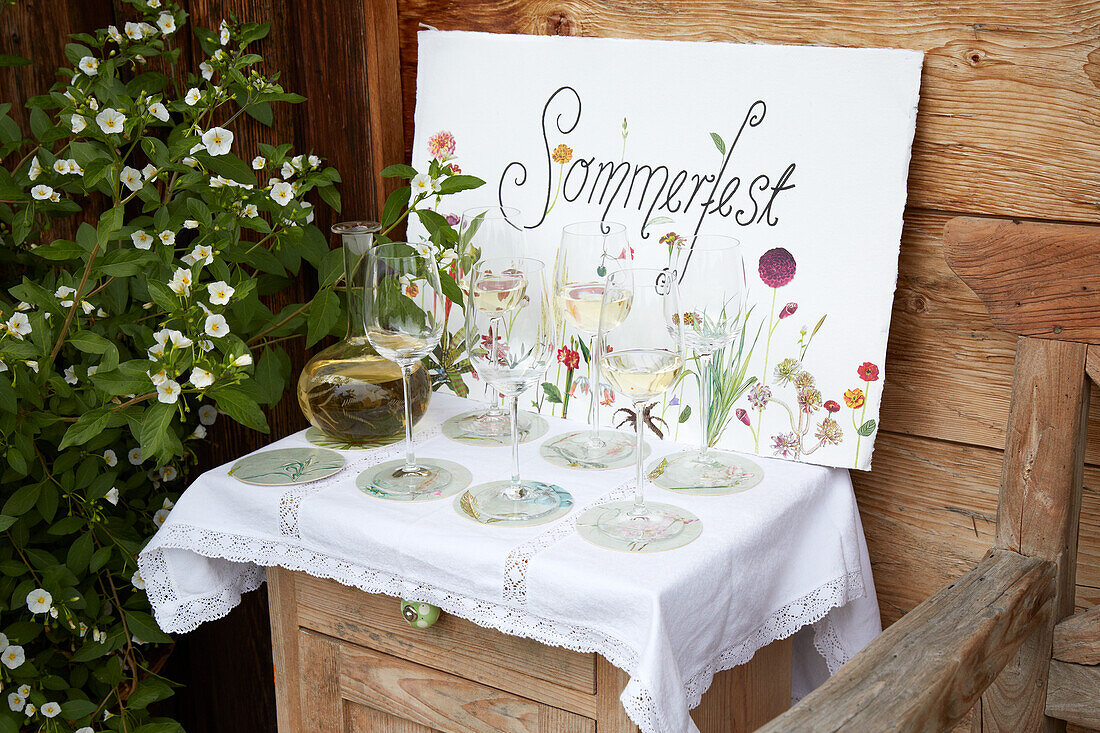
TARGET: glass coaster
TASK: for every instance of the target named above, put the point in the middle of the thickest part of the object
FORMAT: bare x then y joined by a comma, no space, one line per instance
446,478
460,428
319,439
465,505
722,473
571,451
686,526
287,466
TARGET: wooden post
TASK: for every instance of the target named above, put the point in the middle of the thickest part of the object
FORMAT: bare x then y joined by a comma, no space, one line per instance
1038,514
283,608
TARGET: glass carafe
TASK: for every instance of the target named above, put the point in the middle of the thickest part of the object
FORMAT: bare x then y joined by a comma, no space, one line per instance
348,391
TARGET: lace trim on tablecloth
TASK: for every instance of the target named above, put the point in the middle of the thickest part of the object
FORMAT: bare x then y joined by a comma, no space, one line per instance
255,554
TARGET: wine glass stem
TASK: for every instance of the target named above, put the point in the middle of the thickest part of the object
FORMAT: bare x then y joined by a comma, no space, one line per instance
594,349
513,406
639,487
705,365
410,459
495,326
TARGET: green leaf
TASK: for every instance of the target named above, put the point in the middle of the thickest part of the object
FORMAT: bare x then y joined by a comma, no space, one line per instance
99,558
89,342
60,249
130,377
324,312
718,142
229,166
6,521
450,288
73,709
553,394
398,170
162,295
66,525
239,406
80,551
149,691
9,60
86,427
685,414
453,184
22,500
396,204
145,628
262,112
867,428
156,436
330,196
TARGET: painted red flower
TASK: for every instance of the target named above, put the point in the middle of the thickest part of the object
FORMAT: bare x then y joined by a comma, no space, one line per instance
776,267
832,406
868,372
455,170
788,310
569,357
742,415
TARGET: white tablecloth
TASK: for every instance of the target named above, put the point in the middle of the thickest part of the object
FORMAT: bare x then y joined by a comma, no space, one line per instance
784,555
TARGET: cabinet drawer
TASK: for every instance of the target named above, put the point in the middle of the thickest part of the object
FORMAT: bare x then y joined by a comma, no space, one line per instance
453,645
350,688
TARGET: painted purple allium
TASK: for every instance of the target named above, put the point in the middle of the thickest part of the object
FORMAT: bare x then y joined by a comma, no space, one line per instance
674,402
785,445
742,415
788,310
759,395
776,267
452,219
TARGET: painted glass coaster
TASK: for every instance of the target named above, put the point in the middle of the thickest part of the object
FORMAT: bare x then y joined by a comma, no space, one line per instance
720,474
319,439
445,478
685,528
464,429
465,506
287,466
568,452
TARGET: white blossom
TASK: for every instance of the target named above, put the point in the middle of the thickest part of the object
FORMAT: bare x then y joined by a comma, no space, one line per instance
206,344
39,601
199,431
112,496
141,239
219,55
243,360
24,690
202,253
167,237
423,183
166,23
110,120
208,414
110,458
134,31
158,378
131,178
78,122
89,65
137,580
180,284
223,33
220,182
93,103
16,702
314,161
220,292
30,710
113,34
35,170
188,160
192,97
190,224
287,171
160,516
168,473
201,379
93,369
13,657
3,368
251,211
19,325
158,110
70,374
55,196
282,193
61,166
32,365
3,642
74,167
41,192
207,70
153,4
149,171
216,326
217,140
134,457
178,339
168,391
51,709
258,162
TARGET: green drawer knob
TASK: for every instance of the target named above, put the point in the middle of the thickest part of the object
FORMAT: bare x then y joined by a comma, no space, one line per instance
419,615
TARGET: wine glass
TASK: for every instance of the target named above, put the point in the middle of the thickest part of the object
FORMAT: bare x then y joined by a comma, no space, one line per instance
711,274
645,358
487,232
403,314
589,251
510,337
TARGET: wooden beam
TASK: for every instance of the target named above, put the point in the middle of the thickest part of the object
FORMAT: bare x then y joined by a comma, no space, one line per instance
1038,512
1040,280
1077,639
1073,693
925,672
283,608
1092,363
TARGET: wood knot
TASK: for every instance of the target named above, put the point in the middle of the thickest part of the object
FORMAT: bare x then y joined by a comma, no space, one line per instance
560,23
975,56
920,305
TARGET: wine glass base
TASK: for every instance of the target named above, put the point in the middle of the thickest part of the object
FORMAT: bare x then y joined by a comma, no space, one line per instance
486,428
588,450
433,479
493,503
716,473
656,528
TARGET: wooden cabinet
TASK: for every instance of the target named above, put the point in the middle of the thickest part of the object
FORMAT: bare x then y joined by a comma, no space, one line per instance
346,661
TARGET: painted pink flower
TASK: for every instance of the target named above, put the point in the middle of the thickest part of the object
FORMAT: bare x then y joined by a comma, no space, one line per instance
788,310
785,445
452,219
776,267
607,395
441,145
742,415
455,170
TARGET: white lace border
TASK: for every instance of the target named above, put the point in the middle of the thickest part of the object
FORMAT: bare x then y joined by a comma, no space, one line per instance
256,554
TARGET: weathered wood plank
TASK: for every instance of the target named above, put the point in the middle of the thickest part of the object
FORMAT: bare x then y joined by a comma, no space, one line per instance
1040,280
1038,511
1092,363
363,719
744,698
282,606
1007,120
1073,693
610,683
1077,638
320,698
926,671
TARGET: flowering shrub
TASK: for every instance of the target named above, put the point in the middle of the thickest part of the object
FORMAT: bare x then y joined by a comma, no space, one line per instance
120,346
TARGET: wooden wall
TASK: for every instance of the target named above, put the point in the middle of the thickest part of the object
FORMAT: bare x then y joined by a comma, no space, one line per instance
1007,128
